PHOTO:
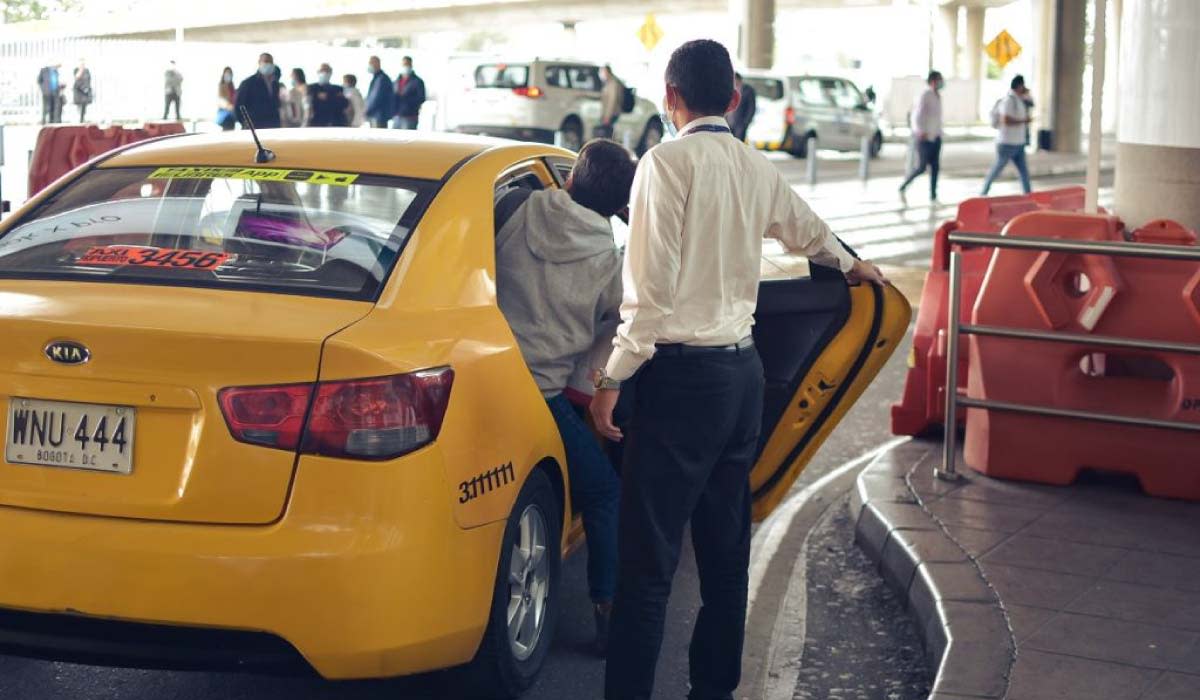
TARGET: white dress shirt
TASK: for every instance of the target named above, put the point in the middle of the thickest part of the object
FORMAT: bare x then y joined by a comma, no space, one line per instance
1012,106
927,115
700,209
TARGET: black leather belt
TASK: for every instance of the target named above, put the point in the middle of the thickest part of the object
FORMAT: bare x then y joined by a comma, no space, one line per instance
679,349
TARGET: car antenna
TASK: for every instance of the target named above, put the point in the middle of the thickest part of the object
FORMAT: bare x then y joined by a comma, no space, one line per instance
263,155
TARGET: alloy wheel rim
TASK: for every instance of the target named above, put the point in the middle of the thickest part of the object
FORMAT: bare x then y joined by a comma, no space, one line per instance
528,584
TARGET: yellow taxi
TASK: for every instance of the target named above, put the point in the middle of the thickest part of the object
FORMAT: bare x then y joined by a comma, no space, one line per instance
255,412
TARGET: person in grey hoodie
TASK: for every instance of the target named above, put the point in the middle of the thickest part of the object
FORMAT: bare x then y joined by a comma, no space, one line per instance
558,282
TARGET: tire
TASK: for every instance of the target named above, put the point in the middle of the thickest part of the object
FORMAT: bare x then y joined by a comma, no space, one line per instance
651,137
799,147
876,144
572,134
505,667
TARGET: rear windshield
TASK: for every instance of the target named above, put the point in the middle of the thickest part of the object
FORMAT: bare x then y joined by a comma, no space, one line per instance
265,229
502,75
766,88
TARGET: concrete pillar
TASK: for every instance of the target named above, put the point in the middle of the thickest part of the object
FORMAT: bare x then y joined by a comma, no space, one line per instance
945,43
1069,60
974,47
1045,13
1158,139
757,35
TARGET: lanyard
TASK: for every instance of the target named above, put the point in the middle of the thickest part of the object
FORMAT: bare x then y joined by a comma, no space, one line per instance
708,127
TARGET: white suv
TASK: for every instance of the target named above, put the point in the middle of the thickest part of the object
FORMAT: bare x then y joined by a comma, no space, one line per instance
535,100
790,108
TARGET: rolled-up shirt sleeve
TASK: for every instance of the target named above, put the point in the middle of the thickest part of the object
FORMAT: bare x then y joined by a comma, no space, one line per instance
800,230
651,269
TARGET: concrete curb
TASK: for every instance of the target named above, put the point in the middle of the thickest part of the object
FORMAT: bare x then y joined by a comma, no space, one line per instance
969,643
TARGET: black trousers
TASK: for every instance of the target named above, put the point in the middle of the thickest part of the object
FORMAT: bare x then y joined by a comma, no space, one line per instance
691,444
169,99
930,156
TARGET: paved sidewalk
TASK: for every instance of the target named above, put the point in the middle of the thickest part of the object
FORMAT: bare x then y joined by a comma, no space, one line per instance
1099,585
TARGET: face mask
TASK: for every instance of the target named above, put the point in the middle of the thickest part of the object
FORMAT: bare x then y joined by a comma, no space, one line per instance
668,124
267,69
405,70
227,78
323,78
371,70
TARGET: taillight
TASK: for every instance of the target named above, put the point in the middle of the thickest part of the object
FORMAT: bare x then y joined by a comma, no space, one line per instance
534,92
266,415
790,115
378,418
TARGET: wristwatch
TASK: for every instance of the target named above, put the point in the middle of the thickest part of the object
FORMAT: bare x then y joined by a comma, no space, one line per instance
601,380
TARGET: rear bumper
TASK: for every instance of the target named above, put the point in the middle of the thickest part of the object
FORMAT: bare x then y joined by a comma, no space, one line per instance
517,133
365,575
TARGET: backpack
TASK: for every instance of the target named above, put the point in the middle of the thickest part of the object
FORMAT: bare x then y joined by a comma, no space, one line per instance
997,114
627,100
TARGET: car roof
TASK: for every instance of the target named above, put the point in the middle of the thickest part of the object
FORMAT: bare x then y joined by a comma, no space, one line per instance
391,152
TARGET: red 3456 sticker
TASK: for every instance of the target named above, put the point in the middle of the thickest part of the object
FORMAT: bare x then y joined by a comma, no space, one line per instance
177,258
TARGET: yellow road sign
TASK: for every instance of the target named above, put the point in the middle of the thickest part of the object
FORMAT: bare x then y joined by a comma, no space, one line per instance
650,33
1003,48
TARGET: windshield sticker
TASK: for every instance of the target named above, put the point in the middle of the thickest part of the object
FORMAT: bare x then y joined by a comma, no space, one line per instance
177,258
312,177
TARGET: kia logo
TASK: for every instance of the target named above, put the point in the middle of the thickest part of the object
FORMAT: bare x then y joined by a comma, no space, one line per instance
68,352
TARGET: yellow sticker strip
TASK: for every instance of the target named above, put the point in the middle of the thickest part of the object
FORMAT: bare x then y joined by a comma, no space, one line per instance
312,177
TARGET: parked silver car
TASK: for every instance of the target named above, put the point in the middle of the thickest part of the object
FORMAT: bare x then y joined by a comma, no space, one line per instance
791,108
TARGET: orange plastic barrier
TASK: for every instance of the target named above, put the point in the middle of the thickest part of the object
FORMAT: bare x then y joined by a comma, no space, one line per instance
924,401
1087,294
62,148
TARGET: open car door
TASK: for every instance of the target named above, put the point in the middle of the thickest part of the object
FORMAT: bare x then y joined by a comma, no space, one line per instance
821,343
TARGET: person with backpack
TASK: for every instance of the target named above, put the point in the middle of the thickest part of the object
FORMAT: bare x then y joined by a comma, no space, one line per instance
1010,118
927,135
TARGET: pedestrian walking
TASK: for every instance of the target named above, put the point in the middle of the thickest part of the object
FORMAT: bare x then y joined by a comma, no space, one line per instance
172,89
1011,119
927,134
410,95
294,105
558,282
51,86
356,113
81,89
380,95
740,118
327,103
612,102
226,100
259,94
700,208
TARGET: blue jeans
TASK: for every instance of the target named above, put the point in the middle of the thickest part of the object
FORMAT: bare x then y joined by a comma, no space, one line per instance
1004,153
595,493
399,122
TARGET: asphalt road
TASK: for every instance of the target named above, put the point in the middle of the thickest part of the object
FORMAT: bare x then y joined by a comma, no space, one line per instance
870,219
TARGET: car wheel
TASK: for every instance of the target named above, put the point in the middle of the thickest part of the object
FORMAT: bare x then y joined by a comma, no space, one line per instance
572,134
799,147
651,137
876,144
525,600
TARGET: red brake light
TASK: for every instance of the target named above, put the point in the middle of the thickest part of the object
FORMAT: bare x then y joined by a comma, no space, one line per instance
790,115
266,415
378,418
533,92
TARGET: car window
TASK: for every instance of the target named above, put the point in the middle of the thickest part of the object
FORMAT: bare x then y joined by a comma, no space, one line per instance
812,94
556,76
502,75
846,95
264,229
766,88
585,78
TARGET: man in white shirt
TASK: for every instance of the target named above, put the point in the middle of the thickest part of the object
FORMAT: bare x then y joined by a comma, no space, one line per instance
700,208
1012,122
927,134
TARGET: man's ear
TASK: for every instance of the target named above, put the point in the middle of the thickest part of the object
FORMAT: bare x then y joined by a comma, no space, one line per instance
734,101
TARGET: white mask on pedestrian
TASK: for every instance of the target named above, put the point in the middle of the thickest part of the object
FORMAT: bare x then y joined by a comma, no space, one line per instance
405,70
323,78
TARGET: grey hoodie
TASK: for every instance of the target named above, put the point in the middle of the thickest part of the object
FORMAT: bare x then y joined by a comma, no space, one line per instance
558,282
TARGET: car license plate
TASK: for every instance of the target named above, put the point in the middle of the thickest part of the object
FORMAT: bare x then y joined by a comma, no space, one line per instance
71,435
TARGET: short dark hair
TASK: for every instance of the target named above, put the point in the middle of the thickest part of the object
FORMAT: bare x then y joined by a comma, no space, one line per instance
269,57
602,177
933,75
406,59
702,73
1018,81
350,79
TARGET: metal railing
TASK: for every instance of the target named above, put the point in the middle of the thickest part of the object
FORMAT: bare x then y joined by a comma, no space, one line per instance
1155,251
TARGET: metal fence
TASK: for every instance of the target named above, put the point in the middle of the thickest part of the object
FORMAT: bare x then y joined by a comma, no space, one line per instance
955,327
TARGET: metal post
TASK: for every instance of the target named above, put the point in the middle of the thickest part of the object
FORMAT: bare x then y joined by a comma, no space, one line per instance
948,470
864,162
810,150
